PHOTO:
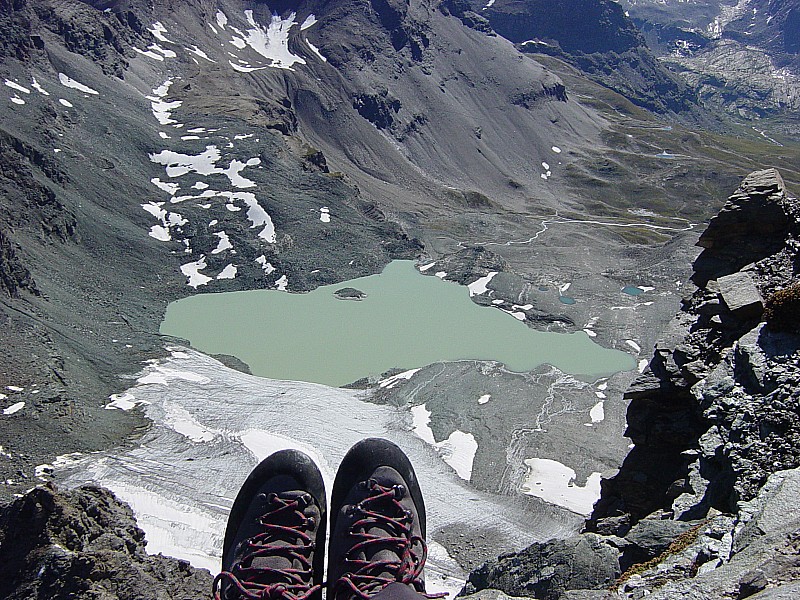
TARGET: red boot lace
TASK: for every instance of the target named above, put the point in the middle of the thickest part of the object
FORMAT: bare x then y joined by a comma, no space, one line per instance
285,522
365,578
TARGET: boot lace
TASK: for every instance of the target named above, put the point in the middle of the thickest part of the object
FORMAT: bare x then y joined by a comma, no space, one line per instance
284,522
382,509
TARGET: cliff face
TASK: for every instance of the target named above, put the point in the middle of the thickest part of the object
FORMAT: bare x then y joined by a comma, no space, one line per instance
716,431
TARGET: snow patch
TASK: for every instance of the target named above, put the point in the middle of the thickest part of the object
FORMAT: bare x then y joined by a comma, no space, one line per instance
484,399
66,103
309,21
192,272
556,149
316,51
76,85
555,483
35,85
634,345
224,243
170,188
268,268
17,100
458,450
124,401
158,30
392,381
229,272
14,408
281,284
15,86
478,287
325,214
196,51
597,413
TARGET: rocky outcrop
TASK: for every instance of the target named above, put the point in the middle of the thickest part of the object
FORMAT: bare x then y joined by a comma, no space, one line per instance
753,224
85,544
27,182
708,416
714,419
13,274
546,570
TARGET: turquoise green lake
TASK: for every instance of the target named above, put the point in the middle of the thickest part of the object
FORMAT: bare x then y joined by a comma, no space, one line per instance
408,320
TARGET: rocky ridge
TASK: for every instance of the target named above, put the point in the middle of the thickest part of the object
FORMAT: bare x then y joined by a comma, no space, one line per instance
604,44
85,543
715,427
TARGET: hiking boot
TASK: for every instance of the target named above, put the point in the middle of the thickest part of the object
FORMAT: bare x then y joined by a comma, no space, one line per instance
275,538
377,523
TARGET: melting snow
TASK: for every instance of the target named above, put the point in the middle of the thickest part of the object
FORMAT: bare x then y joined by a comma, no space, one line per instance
71,83
555,483
17,100
634,345
222,20
458,450
281,284
38,88
224,243
392,381
124,401
316,51
309,21
14,408
273,42
643,365
181,421
170,188
424,268
200,53
478,287
160,232
205,163
192,272
268,268
15,86
158,31
325,214
597,413
229,272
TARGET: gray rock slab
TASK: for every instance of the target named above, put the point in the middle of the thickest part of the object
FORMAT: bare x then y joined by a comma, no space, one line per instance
740,294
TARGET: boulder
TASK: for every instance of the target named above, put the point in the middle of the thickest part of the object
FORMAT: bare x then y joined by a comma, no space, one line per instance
740,294
546,570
